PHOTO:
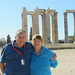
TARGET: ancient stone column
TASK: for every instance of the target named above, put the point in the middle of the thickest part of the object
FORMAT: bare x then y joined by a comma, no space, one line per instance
56,27
24,21
53,29
35,22
44,28
66,27
33,25
74,26
48,25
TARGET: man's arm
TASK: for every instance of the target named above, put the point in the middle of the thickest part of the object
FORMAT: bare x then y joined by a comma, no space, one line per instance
2,66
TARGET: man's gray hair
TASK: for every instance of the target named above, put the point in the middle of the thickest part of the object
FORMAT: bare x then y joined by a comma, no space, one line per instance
20,31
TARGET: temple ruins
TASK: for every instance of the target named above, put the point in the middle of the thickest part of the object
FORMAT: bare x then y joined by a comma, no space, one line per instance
45,14
66,24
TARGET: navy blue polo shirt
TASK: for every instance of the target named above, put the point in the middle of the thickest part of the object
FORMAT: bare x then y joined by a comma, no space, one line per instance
13,59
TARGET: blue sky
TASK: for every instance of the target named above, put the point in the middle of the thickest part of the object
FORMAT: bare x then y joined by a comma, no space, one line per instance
11,21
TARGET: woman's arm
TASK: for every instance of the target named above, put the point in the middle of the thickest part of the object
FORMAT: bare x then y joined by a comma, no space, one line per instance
53,59
54,63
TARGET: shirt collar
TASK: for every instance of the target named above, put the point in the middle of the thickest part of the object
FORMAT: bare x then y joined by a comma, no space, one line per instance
40,51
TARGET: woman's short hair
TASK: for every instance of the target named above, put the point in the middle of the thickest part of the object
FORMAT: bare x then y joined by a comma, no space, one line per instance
20,31
37,36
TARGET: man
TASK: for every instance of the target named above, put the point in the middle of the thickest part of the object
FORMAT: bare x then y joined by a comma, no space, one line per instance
15,57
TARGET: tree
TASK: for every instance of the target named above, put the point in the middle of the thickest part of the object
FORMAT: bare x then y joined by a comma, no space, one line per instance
8,39
61,41
30,37
2,43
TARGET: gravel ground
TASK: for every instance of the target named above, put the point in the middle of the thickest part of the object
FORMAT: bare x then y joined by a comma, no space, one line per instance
66,62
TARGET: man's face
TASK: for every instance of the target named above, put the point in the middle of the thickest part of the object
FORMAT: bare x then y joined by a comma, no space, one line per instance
20,39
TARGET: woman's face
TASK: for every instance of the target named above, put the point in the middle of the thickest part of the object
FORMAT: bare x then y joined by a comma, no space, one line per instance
37,43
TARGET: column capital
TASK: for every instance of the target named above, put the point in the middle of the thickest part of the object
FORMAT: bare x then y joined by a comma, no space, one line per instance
56,13
36,10
48,10
24,10
52,14
65,13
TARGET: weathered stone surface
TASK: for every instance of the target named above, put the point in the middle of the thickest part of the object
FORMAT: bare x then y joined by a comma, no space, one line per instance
45,23
69,11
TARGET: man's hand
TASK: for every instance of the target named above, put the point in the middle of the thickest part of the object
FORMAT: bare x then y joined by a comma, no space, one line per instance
54,56
2,66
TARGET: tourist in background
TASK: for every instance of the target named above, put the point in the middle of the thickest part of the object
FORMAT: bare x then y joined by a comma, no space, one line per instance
41,58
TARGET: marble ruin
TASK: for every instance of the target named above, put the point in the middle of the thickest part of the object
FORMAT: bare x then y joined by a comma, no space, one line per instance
66,24
45,14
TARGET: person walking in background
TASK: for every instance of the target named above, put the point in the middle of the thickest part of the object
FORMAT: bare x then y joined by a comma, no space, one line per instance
41,58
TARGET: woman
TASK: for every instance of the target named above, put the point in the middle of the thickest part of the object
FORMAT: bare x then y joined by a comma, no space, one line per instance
41,58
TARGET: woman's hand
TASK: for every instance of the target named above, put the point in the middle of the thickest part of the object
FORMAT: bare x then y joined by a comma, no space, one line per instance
54,56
